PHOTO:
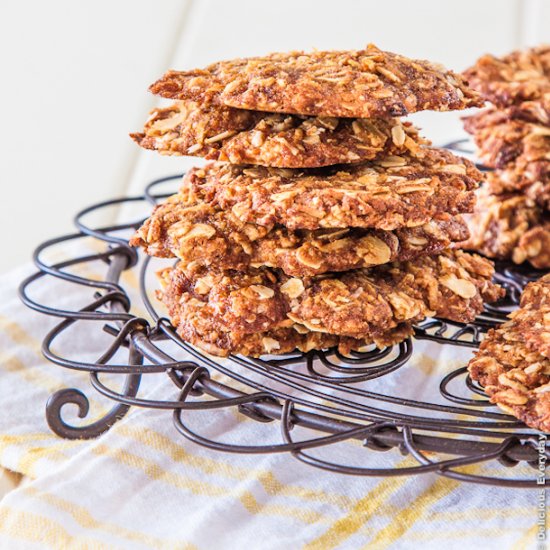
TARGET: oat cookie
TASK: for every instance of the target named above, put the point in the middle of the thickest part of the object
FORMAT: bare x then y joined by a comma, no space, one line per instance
287,141
501,140
522,75
532,179
518,150
217,239
533,317
513,362
197,323
536,112
354,84
363,304
509,226
534,247
388,193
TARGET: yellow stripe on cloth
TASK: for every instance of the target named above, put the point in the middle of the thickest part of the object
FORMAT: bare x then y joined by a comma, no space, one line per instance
85,519
36,377
346,526
43,530
271,485
57,444
27,463
16,438
11,363
18,334
155,471
481,513
415,510
528,540
33,452
254,507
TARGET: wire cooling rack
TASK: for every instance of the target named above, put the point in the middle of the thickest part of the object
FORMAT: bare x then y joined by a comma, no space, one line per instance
335,398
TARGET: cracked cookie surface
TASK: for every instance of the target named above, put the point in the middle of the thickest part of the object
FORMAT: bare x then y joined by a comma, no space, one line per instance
509,226
197,322
209,236
363,304
502,140
531,180
280,140
391,192
522,75
351,84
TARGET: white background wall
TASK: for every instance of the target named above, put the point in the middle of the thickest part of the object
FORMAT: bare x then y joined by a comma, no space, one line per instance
75,77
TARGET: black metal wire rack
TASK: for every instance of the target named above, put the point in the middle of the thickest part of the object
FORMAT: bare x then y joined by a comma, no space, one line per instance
330,395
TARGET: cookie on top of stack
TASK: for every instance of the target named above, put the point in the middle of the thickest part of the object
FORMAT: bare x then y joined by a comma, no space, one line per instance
512,218
324,220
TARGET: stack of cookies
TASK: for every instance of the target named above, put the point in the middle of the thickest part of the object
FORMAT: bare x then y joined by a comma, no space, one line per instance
324,219
512,218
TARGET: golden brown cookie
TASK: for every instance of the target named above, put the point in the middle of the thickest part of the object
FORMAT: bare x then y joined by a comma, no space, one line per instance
534,247
522,75
286,141
363,304
388,193
531,180
533,317
502,140
509,226
199,232
513,362
518,150
536,111
351,84
197,322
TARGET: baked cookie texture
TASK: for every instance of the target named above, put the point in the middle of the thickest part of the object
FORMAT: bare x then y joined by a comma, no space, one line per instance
361,304
197,322
390,192
533,181
513,138
509,227
517,149
523,75
195,231
324,220
533,112
267,139
365,83
513,362
502,140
